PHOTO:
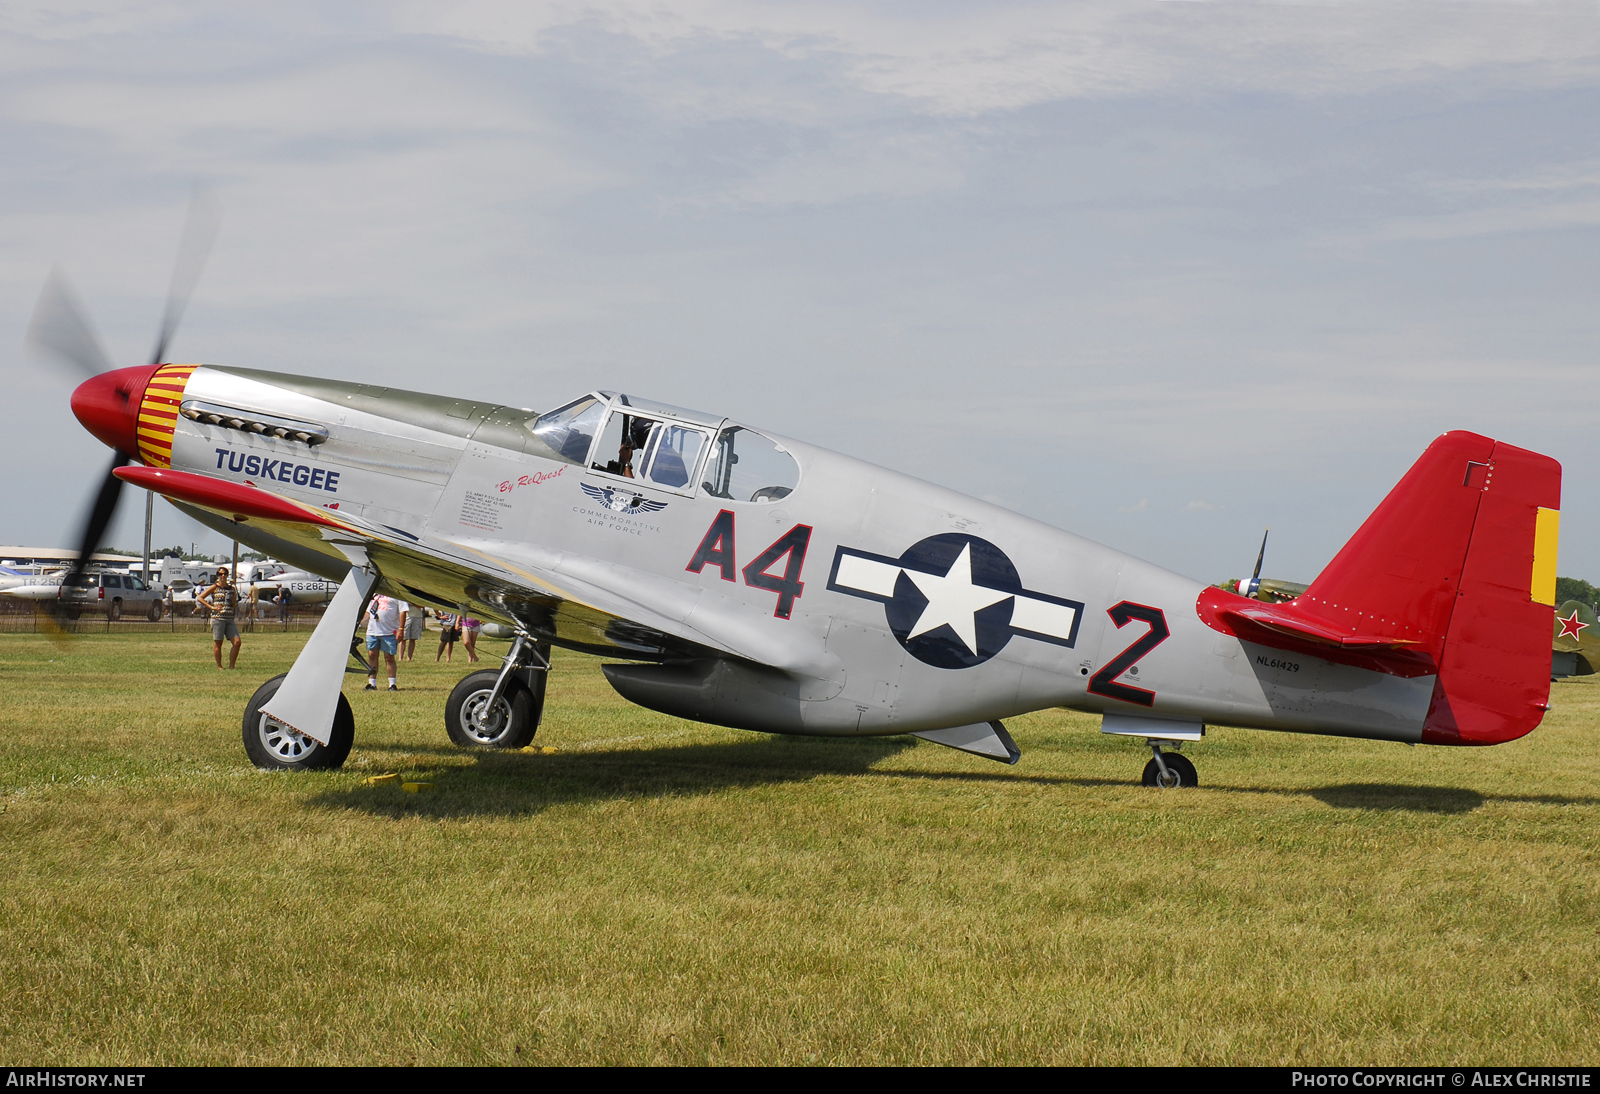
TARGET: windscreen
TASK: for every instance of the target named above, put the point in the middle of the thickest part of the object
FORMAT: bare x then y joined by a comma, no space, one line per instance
570,430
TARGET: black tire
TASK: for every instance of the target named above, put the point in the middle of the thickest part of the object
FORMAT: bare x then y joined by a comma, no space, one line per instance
155,611
1177,764
114,612
516,714
275,747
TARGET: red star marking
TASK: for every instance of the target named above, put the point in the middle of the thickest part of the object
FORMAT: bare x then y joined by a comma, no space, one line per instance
1570,626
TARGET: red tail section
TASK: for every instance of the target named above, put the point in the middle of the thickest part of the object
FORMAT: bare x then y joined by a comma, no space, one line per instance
1441,578
1494,679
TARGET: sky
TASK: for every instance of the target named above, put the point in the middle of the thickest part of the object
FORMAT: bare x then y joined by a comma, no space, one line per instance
1162,274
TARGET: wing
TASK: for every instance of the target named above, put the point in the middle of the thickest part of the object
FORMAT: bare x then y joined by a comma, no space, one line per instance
645,505
595,492
579,602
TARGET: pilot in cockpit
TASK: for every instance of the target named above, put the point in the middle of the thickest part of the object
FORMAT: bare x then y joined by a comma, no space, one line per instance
635,434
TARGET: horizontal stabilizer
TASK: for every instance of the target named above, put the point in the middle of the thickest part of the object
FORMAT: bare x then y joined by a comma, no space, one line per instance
1284,617
981,739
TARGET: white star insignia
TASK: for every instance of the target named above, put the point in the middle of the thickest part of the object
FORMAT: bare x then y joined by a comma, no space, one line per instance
953,600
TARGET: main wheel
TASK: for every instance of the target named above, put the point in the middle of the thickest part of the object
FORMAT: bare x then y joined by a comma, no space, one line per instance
511,724
272,745
1176,765
155,611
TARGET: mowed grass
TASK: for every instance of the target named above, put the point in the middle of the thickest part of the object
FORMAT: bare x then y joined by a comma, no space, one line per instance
663,892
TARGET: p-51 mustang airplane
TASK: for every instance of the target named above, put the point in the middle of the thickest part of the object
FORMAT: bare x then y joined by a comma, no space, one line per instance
753,581
750,580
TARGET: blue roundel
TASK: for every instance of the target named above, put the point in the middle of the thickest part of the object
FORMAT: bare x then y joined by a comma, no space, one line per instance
935,580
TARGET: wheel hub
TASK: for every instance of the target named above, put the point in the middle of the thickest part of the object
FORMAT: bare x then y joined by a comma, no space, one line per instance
481,723
285,742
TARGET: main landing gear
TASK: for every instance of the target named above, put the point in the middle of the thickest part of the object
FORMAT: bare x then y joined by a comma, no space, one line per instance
1169,769
273,745
501,709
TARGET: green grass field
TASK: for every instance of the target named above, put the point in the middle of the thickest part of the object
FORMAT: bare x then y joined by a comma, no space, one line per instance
658,891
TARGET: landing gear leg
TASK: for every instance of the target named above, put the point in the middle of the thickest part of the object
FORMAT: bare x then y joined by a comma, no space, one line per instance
301,719
490,709
1170,769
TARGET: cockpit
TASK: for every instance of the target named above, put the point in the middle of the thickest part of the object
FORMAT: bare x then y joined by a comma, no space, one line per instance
668,448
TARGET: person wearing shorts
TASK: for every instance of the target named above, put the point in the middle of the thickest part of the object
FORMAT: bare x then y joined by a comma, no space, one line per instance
223,624
469,636
386,619
416,619
449,635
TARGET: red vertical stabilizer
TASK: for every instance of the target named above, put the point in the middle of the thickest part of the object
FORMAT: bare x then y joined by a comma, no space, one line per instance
1444,568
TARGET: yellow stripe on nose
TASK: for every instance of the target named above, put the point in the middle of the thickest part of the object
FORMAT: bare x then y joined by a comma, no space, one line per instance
1546,536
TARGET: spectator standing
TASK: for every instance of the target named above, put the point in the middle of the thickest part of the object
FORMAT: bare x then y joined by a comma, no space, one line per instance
416,621
449,635
223,622
469,637
386,618
284,598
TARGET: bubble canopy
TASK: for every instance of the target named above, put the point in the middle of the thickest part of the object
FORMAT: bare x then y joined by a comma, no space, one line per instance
668,447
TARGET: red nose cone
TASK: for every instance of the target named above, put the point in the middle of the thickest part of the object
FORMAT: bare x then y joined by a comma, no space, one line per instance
108,406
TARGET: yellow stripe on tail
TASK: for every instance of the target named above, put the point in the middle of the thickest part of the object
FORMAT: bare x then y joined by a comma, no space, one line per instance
1546,535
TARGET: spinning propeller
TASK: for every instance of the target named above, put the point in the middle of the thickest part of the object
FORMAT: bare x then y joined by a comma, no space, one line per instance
105,399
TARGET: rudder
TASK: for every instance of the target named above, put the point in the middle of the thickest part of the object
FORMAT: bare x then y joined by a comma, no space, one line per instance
1494,677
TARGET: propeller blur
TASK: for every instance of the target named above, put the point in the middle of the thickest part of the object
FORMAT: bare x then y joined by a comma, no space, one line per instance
60,331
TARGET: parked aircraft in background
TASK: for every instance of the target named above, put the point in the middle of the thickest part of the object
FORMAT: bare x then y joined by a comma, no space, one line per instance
1577,641
304,588
35,586
1268,590
750,580
11,579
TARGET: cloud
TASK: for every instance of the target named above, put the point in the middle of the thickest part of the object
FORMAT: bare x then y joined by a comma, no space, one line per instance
1200,507
1038,251
1006,57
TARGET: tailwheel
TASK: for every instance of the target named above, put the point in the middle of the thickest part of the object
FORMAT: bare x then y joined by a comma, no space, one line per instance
509,722
1168,770
274,746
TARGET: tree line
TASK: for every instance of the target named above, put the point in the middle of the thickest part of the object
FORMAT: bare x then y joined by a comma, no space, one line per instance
1572,588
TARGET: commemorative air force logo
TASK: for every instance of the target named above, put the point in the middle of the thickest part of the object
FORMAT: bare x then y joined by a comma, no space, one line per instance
619,501
954,600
